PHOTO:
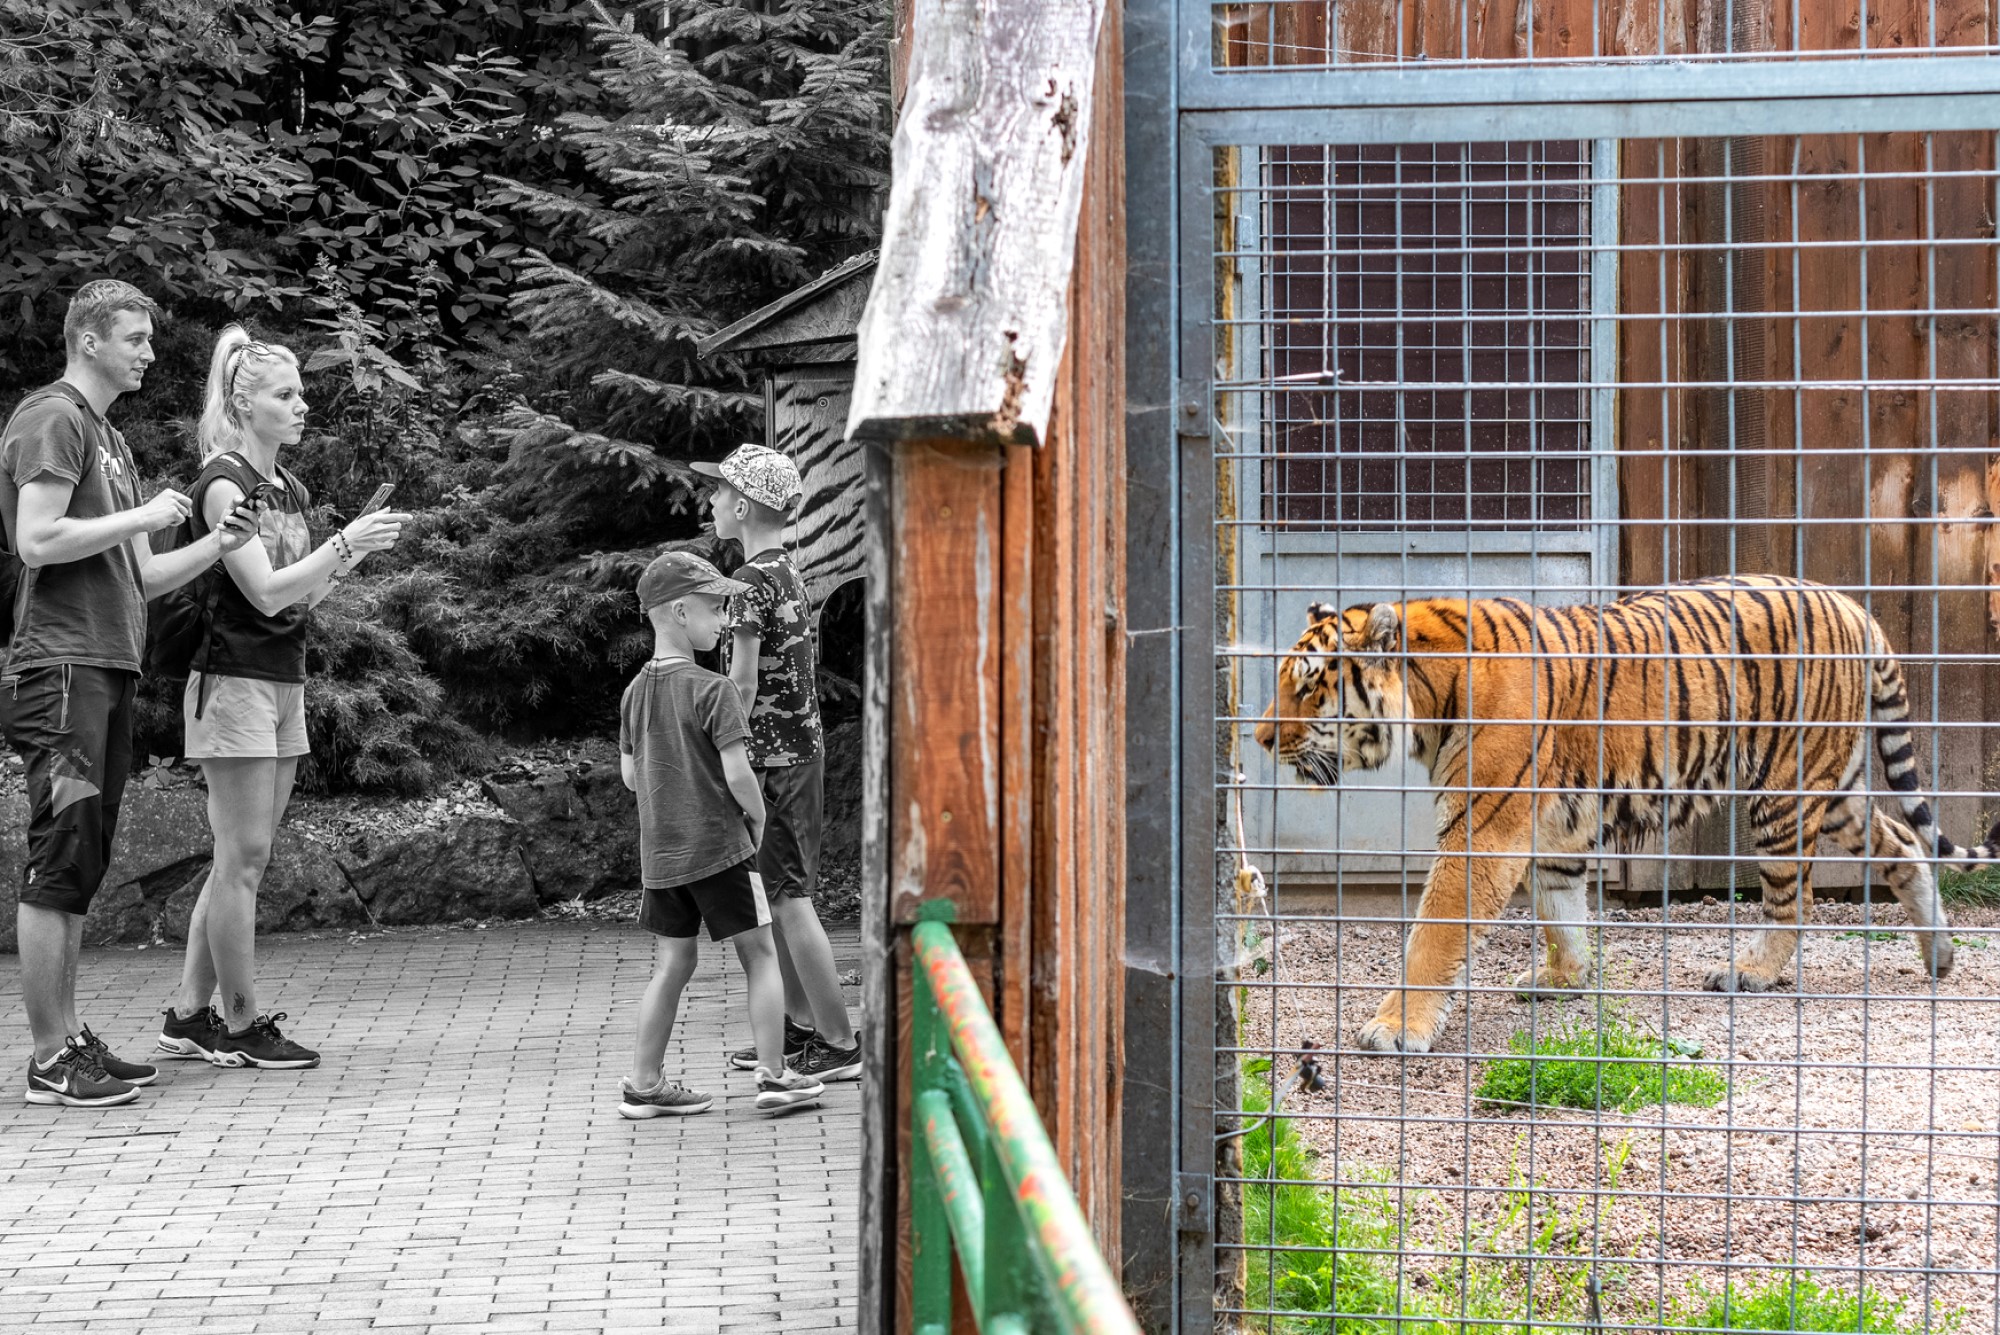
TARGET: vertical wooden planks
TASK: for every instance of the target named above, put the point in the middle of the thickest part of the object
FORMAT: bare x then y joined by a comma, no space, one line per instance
1006,709
944,780
1962,347
1652,424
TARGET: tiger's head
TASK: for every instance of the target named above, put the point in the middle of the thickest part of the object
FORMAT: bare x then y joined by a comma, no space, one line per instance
1338,692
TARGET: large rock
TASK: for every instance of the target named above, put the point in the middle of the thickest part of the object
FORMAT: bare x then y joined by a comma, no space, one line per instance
304,888
472,868
579,830
162,839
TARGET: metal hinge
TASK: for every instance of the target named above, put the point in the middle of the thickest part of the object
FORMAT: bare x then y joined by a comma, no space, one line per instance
1191,414
1194,1202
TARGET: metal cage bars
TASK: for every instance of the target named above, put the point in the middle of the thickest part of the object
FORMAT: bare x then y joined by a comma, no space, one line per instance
1844,1115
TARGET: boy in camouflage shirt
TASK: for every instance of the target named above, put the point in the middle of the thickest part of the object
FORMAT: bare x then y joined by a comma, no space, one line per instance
770,655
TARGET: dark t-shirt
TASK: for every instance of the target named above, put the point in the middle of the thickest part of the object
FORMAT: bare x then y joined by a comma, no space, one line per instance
92,611
673,721
245,642
784,723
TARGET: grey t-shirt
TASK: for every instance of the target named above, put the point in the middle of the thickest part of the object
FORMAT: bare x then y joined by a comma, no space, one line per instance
673,721
91,612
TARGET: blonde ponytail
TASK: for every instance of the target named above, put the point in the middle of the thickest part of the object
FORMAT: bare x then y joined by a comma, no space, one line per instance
237,367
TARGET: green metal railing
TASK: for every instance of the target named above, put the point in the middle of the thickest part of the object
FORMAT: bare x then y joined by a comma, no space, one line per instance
984,1176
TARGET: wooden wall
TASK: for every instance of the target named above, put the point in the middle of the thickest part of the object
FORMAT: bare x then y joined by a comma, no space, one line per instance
1887,493
1323,32
1006,714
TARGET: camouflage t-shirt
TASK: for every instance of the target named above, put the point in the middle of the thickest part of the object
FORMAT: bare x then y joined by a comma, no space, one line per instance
784,723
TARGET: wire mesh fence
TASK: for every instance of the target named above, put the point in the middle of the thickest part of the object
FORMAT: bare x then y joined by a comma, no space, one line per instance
1605,602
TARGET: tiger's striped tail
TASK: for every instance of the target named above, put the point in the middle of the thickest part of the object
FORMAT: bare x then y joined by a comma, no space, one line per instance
1891,706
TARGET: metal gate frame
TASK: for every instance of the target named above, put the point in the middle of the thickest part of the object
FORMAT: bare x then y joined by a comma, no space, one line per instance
1178,110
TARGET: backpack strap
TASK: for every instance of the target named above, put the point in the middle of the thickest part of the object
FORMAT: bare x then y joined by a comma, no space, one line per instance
93,443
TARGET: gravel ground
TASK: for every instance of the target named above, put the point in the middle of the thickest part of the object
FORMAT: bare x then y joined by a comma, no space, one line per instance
1859,1130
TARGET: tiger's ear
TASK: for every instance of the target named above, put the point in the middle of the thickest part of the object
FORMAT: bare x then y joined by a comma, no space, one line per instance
1314,663
1384,630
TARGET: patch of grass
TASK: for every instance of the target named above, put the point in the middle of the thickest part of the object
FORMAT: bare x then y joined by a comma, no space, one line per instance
1326,1249
1970,889
1868,936
1800,1303
1610,1065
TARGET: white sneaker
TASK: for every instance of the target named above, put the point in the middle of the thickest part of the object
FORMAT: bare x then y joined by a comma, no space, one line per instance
787,1089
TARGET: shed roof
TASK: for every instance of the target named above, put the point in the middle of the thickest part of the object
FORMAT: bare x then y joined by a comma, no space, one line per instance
826,310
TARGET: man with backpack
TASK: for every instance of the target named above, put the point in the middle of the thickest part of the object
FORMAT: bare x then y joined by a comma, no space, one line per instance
76,531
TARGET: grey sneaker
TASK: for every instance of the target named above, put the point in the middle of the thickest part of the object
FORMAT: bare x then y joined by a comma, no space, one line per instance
666,1099
823,1061
787,1089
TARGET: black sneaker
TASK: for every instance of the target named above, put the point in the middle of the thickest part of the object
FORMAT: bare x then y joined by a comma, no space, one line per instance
262,1045
132,1073
796,1038
74,1079
823,1061
195,1036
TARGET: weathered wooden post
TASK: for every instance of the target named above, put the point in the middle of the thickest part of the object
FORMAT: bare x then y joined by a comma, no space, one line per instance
989,405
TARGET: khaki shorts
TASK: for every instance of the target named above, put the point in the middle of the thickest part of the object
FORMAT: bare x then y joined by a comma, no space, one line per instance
245,719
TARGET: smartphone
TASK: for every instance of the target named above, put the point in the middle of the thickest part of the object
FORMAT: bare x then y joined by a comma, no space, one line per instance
378,500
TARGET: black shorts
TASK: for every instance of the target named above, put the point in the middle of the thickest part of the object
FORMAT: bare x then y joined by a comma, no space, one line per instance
73,727
788,859
729,902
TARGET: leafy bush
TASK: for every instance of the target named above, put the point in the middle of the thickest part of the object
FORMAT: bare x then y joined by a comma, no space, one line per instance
1606,1065
747,152
377,722
1799,1302
130,148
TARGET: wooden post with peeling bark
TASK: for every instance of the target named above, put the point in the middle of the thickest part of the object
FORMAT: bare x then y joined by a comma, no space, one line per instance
988,398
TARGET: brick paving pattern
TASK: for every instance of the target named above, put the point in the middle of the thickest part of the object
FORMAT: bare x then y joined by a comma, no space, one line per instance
457,1163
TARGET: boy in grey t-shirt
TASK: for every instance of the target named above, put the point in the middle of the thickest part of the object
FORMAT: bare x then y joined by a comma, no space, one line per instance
682,748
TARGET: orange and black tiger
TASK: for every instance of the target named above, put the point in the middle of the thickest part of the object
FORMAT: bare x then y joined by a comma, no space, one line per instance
1553,730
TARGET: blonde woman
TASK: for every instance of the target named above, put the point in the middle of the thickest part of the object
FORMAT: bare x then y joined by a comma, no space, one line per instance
245,707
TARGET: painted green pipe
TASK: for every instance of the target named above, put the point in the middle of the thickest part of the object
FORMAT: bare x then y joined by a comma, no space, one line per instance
1085,1296
958,1188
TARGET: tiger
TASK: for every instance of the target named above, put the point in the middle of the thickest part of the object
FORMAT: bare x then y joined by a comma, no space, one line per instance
1550,730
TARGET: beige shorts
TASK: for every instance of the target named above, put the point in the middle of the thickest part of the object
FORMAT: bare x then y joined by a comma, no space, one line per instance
245,719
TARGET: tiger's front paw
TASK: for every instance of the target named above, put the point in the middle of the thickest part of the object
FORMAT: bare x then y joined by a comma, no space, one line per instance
1404,1024
1937,951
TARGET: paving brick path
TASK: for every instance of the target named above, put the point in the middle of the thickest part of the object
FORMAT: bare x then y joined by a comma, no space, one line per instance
457,1163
